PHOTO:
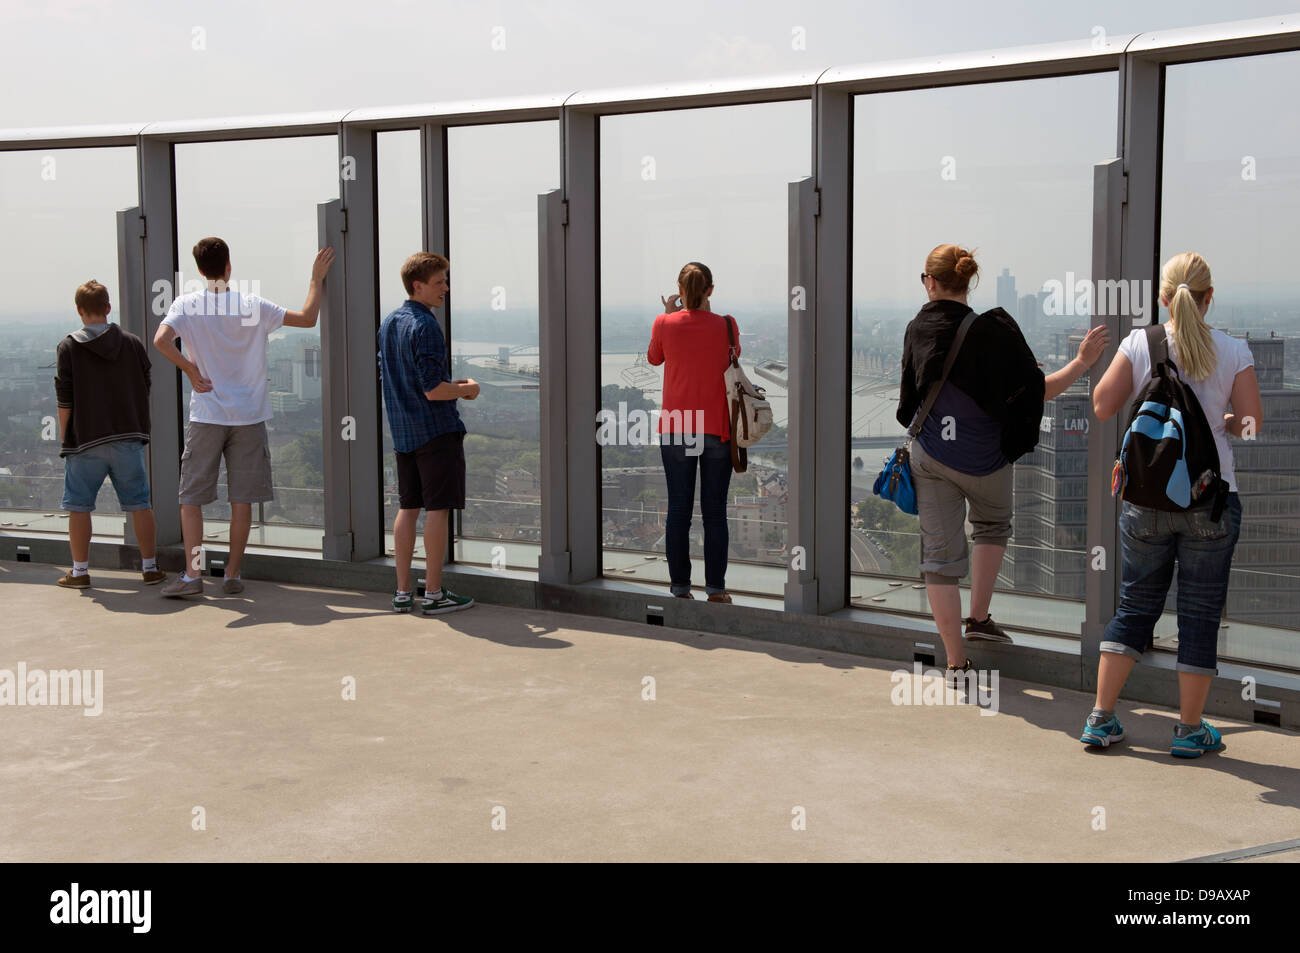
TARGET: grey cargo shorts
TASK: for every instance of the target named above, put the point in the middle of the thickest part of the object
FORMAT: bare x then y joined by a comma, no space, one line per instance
248,463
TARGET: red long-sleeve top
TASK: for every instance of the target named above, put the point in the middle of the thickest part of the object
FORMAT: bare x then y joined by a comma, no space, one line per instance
694,346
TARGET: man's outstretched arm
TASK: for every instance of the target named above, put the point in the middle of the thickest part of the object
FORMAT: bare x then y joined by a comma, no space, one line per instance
306,318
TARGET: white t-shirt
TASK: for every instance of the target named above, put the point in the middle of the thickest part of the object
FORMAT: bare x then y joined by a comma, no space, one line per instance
1214,392
225,335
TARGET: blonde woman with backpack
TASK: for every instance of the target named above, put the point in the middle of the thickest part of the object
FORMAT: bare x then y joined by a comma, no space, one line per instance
1219,370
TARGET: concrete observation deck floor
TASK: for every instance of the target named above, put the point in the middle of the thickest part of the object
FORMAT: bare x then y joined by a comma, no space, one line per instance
540,723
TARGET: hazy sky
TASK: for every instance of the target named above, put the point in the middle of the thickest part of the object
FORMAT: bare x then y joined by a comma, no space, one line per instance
1023,152
1232,144
705,185
83,61
1003,169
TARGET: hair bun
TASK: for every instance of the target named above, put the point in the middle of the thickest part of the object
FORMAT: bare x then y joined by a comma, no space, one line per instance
965,266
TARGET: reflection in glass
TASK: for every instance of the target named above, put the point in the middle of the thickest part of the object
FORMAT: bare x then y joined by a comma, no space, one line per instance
261,197
58,228
983,170
708,185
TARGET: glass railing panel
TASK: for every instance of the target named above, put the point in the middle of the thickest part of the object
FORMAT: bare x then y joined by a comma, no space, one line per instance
58,229
261,197
706,185
1231,193
495,174
978,167
401,230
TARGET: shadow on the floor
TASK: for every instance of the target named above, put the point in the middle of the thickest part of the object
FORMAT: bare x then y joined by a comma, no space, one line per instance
526,635
1147,733
259,604
120,596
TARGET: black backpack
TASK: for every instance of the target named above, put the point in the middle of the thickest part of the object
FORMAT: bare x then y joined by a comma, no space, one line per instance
1168,460
1023,389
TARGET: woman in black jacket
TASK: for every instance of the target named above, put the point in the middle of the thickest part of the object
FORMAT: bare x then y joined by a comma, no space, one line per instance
985,416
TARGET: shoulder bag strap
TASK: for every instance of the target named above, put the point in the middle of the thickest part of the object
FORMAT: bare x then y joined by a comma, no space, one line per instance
1158,349
739,455
937,386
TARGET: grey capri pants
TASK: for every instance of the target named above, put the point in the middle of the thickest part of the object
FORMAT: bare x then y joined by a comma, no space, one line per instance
941,497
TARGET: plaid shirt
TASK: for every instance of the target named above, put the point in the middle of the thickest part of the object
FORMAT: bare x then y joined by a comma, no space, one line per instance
413,360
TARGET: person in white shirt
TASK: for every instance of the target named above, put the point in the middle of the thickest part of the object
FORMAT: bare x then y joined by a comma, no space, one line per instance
225,333
1219,369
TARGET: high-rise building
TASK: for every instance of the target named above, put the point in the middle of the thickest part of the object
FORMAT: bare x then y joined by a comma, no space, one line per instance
283,402
516,483
1262,587
1007,299
306,371
281,375
1050,514
1028,312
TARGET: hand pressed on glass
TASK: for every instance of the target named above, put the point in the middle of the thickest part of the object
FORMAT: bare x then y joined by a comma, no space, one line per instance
1093,343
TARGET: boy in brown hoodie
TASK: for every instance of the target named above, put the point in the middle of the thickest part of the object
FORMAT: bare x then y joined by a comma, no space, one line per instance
102,389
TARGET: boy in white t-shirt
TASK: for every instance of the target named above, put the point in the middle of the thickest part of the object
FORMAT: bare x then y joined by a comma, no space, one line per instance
225,335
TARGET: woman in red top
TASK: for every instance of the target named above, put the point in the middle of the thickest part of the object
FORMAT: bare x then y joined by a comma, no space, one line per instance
693,344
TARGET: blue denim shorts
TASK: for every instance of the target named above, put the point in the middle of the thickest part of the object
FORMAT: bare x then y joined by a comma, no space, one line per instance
1153,543
122,461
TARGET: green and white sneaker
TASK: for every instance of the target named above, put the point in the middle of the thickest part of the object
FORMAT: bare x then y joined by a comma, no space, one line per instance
1099,733
449,602
403,602
1192,743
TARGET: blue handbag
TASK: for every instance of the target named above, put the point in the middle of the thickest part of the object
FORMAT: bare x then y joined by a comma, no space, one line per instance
895,480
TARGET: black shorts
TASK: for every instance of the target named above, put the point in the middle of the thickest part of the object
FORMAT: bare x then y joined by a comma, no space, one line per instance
433,476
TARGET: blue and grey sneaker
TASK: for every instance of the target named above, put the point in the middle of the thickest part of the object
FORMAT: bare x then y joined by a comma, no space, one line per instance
448,602
402,602
1196,742
1102,733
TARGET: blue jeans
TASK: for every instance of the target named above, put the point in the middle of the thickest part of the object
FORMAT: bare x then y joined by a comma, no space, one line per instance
714,461
122,461
1152,542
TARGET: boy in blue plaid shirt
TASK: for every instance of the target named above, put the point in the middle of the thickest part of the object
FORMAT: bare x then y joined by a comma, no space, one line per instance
428,435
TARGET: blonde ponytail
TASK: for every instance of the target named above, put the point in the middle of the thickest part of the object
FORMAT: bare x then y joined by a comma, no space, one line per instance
1184,281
